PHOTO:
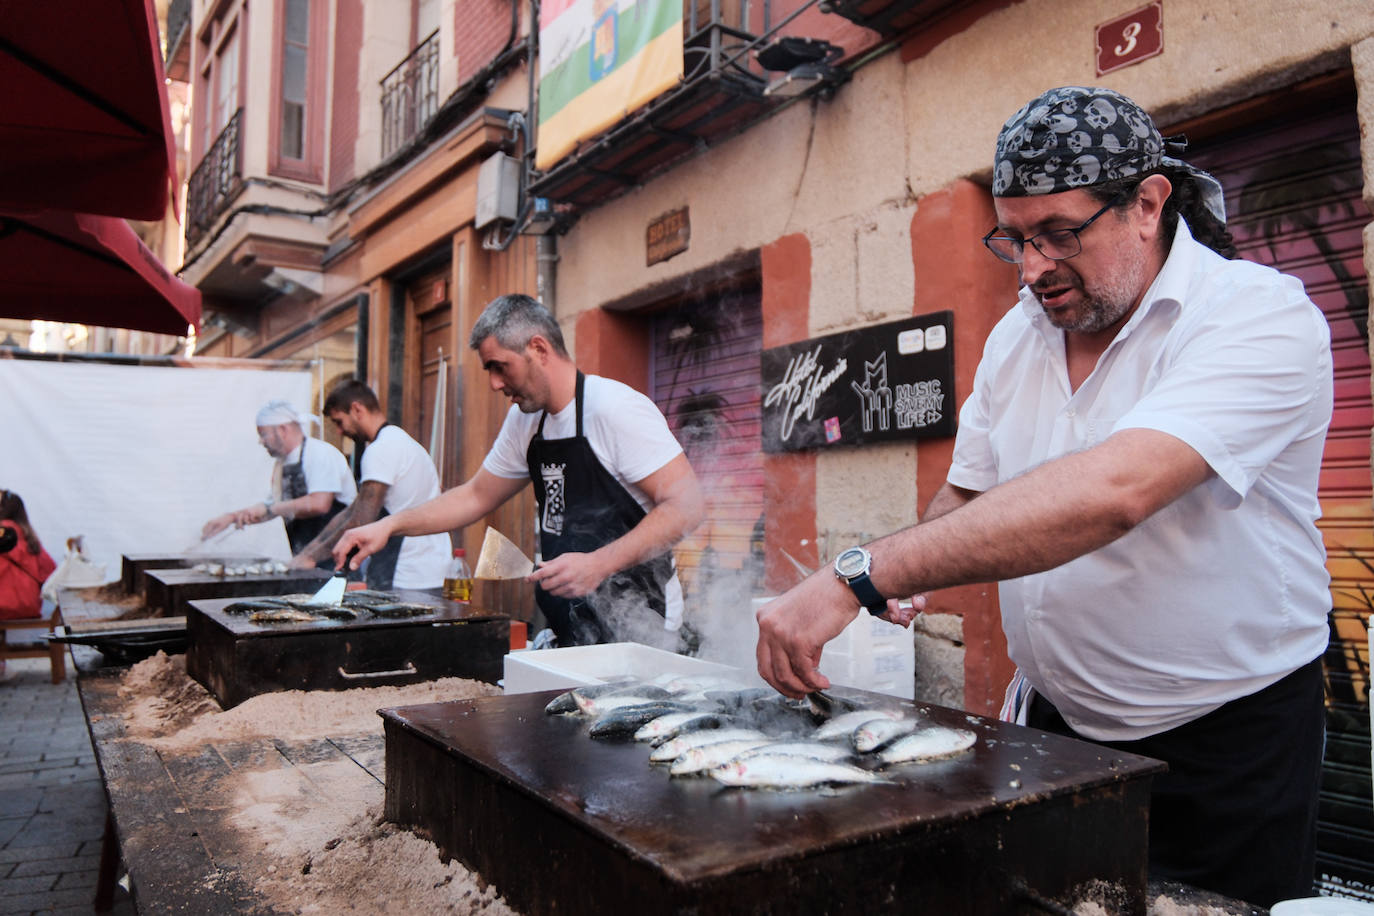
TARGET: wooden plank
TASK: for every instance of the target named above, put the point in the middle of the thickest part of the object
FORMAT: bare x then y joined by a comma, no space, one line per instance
175,810
127,626
160,841
430,221
368,751
416,184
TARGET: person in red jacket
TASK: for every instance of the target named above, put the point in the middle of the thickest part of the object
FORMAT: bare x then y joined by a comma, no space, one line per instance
24,564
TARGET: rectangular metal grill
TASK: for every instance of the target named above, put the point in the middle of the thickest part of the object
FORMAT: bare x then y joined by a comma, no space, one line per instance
236,659
133,565
169,592
566,824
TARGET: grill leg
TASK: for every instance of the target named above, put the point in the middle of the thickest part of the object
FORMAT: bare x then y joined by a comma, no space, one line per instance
109,863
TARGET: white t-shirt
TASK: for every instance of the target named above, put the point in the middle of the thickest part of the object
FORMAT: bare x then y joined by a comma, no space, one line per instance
626,431
326,470
1224,591
398,461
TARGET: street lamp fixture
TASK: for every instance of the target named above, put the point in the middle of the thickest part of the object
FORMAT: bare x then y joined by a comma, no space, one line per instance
803,64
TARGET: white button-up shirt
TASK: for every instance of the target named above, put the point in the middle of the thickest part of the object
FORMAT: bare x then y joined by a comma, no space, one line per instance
1225,590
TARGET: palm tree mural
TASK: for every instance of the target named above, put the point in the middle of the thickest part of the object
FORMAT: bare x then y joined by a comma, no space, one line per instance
708,389
699,419
698,415
694,338
1278,206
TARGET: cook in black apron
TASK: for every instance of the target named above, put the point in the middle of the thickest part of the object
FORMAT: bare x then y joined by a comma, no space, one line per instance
379,570
301,531
583,507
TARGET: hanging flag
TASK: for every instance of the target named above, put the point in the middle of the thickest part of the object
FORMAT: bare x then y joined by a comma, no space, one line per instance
599,60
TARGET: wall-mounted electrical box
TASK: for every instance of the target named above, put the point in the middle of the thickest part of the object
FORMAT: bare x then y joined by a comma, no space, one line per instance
498,190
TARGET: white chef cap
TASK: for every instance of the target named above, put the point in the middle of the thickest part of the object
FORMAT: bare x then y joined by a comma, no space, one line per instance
279,413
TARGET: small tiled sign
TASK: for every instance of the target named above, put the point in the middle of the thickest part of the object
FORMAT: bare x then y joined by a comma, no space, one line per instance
667,235
1131,38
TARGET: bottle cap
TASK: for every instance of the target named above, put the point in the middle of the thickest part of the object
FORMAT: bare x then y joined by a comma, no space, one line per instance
459,552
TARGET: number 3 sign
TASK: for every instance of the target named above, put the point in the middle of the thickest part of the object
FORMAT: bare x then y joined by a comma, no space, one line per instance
1130,38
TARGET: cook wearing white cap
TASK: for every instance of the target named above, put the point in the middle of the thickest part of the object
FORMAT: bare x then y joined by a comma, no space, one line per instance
1137,467
311,481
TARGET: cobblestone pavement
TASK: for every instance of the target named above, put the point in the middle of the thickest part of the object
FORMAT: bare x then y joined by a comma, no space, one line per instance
52,803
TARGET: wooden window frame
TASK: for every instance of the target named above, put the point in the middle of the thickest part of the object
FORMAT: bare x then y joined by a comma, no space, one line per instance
226,19
309,168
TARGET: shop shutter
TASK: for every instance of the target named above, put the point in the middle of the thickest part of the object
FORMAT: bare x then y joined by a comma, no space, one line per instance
705,373
1293,195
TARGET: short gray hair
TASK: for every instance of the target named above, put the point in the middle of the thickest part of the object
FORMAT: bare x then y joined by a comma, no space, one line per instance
514,319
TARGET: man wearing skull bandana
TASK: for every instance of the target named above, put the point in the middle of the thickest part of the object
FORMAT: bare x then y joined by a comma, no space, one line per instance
1137,466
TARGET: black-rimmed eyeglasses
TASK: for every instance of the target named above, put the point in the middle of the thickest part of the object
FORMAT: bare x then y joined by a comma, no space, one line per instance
1055,244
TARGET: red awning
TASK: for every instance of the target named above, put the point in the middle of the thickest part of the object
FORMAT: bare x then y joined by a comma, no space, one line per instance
84,120
85,269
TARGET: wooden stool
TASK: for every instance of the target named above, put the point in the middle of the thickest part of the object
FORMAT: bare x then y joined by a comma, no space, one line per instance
54,651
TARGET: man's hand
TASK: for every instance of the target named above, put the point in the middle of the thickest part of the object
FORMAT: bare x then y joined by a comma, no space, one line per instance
250,516
903,614
367,538
215,525
570,575
301,561
795,628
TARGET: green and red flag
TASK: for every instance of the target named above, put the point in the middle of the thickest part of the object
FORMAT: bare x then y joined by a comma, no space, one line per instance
599,60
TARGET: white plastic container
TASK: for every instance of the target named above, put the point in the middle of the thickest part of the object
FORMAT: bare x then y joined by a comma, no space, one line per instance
578,666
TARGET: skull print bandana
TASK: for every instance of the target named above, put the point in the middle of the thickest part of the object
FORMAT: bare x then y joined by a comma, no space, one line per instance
1076,137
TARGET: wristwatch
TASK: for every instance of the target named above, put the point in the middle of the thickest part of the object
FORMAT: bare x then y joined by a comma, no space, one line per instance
267,504
852,568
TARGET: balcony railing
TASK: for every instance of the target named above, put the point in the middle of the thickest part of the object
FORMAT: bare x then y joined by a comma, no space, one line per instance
215,182
410,95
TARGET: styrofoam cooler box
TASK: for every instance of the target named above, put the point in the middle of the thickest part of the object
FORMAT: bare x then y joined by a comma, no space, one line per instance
579,666
870,654
890,671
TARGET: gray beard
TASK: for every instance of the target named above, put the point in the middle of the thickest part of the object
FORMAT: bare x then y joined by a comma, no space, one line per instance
1109,302
1098,314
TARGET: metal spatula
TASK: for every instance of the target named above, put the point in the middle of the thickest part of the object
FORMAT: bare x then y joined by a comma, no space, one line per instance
501,559
332,592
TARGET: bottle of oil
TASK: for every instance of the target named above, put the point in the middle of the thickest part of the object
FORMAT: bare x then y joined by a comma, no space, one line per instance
458,582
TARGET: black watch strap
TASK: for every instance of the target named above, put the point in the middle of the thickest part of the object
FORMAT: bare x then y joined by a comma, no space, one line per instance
862,587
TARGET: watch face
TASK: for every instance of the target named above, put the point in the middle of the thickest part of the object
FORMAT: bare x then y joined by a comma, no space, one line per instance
852,562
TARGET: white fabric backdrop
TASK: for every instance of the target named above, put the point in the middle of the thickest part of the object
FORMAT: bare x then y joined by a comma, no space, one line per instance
137,458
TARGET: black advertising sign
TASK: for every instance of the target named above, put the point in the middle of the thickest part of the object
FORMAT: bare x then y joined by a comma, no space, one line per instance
874,384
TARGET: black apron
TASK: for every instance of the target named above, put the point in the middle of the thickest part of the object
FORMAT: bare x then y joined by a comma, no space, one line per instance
301,531
583,507
379,570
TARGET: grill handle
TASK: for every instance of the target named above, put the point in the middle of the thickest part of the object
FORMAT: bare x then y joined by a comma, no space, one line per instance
363,675
1021,891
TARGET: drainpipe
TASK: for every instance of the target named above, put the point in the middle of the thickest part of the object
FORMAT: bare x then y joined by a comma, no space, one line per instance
546,271
546,258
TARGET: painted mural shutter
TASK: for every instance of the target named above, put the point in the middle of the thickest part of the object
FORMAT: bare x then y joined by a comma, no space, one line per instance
1293,201
706,381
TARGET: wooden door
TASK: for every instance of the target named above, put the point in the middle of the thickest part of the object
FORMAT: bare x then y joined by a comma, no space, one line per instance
480,275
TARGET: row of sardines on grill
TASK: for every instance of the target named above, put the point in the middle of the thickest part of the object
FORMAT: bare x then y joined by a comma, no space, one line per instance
699,725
